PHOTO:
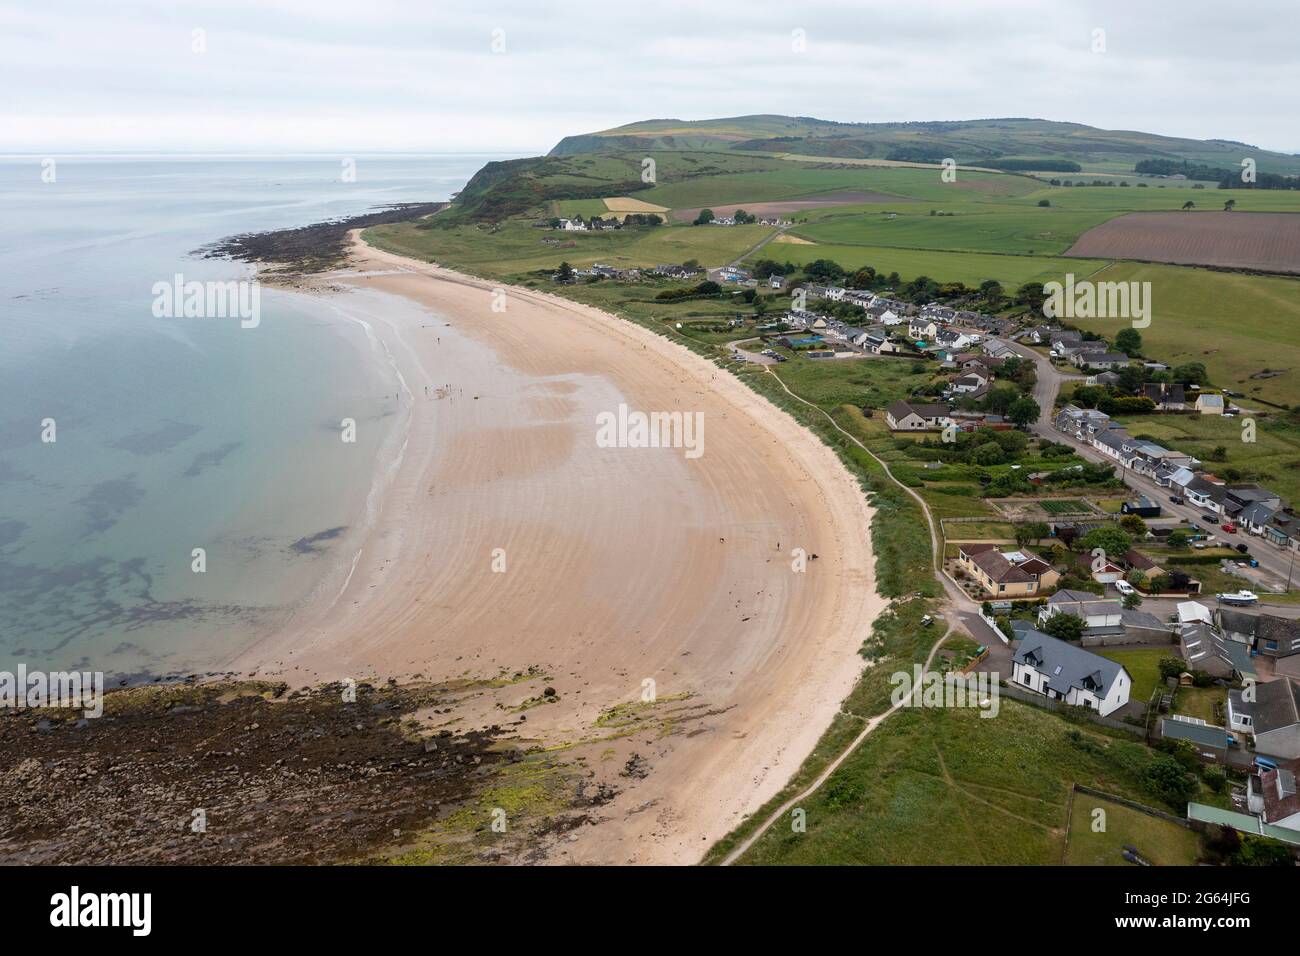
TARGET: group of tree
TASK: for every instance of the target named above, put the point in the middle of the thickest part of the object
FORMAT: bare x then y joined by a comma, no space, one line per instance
705,289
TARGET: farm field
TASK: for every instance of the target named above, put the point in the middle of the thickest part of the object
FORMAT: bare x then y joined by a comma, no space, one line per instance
945,786
790,207
516,246
1269,242
967,227
1273,458
968,267
1237,325
1162,842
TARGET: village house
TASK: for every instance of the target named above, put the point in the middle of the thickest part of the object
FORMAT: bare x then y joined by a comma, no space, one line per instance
1061,671
972,383
904,416
922,327
1205,648
1272,717
1099,359
1081,423
1097,613
1167,396
1271,795
1006,574
1210,404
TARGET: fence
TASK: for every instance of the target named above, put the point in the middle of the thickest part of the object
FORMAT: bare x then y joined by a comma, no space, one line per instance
1085,713
994,624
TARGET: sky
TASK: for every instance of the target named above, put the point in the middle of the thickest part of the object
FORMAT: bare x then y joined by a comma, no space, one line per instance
452,76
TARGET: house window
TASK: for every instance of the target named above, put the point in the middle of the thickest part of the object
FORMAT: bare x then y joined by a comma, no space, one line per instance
1271,645
1029,680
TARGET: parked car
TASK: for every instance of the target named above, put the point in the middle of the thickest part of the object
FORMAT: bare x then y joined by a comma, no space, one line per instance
1210,520
1229,527
1124,588
1242,549
1177,499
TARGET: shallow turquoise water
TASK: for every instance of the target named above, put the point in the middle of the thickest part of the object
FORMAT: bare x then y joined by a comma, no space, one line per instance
175,433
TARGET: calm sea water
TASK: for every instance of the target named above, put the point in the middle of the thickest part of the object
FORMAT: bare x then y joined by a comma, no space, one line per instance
176,434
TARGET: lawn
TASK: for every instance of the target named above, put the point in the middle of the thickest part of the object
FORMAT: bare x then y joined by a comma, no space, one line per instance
1200,702
1141,664
1160,841
943,786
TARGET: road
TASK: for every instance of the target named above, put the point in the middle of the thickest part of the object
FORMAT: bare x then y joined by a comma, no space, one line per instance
1276,562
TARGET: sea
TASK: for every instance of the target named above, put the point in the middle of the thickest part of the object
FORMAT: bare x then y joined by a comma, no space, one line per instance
172,487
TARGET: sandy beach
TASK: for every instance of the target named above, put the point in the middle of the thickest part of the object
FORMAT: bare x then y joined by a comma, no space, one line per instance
504,537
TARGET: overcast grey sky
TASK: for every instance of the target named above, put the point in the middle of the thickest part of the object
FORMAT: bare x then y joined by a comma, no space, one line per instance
323,75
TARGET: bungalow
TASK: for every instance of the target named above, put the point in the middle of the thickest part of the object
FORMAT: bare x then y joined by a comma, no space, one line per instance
1061,340
1209,404
907,417
1061,671
1113,443
776,281
1100,359
1271,714
968,384
998,349
1168,396
1009,574
1096,611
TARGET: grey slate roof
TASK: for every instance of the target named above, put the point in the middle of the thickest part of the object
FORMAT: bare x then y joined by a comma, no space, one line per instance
1066,665
1207,735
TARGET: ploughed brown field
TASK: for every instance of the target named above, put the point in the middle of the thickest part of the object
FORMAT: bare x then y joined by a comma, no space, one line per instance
781,207
1267,241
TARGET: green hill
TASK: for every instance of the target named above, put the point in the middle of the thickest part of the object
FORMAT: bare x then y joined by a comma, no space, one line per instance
1010,142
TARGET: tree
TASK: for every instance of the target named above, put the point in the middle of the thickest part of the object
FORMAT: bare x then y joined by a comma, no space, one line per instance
989,453
1129,341
1257,851
565,272
1031,295
742,218
1031,531
1044,202
1189,205
1067,535
1166,778
1024,411
1230,205
1131,601
1064,627
705,216
1112,541
824,269
1178,540
1134,525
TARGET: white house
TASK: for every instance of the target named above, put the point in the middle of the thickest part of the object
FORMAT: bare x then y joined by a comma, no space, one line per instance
1095,610
1062,671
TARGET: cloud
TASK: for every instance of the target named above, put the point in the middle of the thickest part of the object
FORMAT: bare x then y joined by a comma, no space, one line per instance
325,75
